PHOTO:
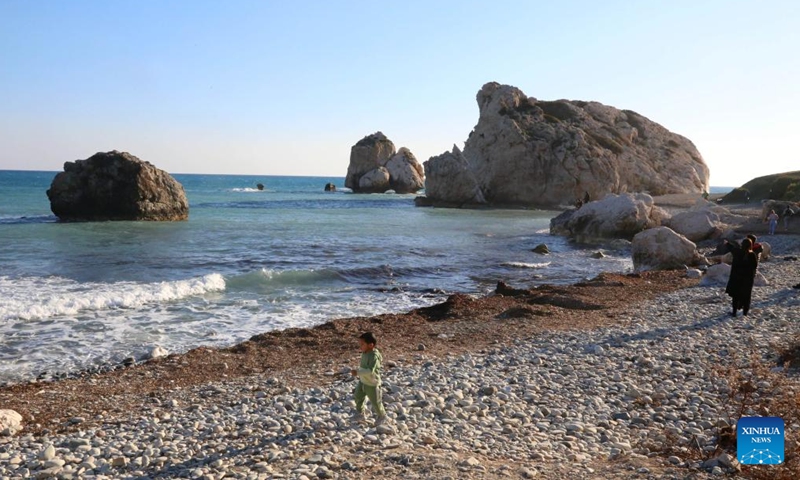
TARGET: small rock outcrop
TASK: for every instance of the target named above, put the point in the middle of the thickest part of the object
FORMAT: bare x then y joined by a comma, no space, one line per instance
532,153
660,248
375,167
541,249
116,186
616,216
10,422
329,187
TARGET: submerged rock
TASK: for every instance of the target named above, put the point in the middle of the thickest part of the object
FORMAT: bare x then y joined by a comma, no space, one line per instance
116,186
527,152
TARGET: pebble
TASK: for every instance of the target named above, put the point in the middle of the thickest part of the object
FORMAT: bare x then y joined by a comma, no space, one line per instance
560,397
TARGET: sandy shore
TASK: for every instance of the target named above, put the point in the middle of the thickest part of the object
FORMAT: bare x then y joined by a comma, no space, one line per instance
302,364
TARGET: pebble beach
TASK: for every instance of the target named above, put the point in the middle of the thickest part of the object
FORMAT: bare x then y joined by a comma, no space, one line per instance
597,403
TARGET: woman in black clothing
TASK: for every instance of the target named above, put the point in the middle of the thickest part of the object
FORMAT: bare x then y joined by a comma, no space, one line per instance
743,274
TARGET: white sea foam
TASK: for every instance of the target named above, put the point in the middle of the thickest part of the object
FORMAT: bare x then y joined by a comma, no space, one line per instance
35,298
246,190
526,265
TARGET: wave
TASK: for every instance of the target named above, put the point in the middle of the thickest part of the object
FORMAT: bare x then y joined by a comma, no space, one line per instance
39,298
28,219
247,190
525,265
267,279
327,202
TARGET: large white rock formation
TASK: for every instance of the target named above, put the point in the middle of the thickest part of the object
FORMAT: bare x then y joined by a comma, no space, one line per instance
527,152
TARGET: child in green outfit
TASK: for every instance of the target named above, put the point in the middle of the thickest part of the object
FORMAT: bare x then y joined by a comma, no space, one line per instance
369,379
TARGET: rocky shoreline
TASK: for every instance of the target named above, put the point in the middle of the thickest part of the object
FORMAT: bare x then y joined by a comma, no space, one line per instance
618,377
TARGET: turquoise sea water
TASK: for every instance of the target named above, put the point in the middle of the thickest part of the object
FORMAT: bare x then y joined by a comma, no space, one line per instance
75,295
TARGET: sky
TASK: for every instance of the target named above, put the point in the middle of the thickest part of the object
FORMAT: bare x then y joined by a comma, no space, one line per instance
286,88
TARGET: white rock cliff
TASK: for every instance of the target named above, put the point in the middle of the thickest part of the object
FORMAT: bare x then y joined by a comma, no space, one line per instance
527,152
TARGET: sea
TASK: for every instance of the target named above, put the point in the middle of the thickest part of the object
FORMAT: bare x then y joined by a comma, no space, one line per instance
77,296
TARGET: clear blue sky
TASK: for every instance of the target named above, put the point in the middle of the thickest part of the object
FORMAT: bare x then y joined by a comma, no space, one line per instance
282,88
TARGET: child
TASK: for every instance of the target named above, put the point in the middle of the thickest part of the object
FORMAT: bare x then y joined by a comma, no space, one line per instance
369,379
757,247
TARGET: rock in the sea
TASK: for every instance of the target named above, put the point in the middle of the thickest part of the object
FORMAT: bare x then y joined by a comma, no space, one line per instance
116,186
260,186
10,422
376,167
329,187
541,249
461,188
615,216
375,181
406,174
662,249
527,152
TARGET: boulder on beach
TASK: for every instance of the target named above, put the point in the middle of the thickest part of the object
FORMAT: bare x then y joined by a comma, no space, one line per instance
660,248
766,252
615,216
533,153
156,352
375,167
717,275
696,224
116,186
10,422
